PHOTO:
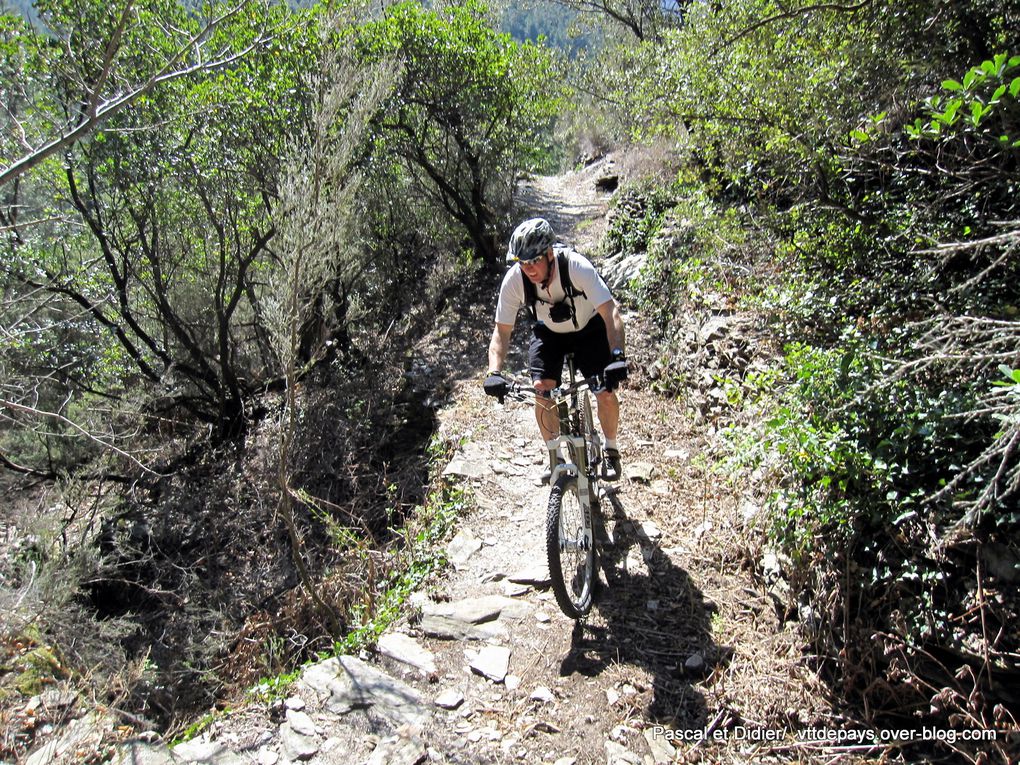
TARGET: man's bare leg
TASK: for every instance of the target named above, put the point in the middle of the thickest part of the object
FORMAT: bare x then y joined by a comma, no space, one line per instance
548,421
608,406
609,418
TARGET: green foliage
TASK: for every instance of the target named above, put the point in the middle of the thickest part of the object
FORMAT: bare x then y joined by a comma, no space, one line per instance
857,457
986,91
639,213
467,114
420,559
200,725
887,218
684,234
160,218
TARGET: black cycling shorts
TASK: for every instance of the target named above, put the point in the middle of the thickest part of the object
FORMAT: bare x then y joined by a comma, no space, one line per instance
590,346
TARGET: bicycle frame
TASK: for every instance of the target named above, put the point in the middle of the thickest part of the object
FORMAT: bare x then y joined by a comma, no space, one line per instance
572,438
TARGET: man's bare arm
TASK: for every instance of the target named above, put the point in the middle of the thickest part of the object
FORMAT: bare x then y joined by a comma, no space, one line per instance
611,315
498,345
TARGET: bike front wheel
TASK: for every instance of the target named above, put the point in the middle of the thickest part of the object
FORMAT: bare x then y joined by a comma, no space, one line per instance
571,548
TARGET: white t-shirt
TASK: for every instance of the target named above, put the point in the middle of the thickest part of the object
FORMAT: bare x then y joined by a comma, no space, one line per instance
583,277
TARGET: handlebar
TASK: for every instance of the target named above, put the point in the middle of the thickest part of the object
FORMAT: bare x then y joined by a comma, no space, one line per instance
520,392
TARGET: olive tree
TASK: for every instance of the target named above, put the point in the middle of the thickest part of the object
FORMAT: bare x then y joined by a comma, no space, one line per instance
466,113
150,233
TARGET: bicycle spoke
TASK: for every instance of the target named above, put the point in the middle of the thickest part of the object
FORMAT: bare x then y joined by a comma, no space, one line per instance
570,549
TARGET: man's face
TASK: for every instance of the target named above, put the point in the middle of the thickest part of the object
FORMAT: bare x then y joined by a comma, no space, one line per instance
537,271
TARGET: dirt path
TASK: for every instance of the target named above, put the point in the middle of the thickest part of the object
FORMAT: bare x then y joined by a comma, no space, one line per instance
679,637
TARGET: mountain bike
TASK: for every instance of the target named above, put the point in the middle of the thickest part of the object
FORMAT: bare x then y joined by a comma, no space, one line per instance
574,499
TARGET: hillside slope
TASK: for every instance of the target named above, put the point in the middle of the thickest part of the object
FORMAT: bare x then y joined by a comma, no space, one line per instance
682,644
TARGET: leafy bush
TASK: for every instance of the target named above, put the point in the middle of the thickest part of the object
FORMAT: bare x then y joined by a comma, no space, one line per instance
466,114
888,222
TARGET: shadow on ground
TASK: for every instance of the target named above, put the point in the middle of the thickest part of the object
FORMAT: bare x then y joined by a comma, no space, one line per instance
652,616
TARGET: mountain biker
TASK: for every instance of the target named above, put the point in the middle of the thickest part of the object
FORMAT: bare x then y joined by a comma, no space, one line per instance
572,311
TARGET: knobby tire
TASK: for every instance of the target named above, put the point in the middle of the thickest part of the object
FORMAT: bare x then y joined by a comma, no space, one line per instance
571,568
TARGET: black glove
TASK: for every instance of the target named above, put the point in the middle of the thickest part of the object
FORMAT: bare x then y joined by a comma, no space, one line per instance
496,385
616,372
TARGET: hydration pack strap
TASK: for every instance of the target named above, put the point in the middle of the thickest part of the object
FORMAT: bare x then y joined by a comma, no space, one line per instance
563,267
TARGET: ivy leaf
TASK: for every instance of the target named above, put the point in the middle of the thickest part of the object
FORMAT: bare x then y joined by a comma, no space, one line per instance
949,115
1009,373
977,111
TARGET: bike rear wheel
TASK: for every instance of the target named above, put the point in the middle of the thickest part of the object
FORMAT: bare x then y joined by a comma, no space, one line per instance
571,548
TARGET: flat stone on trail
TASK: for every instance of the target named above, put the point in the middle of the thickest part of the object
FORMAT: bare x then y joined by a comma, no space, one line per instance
297,746
143,753
662,750
300,722
450,699
448,628
398,750
205,753
650,530
695,664
407,650
639,471
543,694
462,547
537,575
472,618
345,683
617,754
493,662
463,468
512,590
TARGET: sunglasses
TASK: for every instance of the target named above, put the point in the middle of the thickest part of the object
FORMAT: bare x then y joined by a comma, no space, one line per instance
532,260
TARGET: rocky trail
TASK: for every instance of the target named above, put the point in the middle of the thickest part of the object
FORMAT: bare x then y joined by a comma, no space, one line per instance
483,668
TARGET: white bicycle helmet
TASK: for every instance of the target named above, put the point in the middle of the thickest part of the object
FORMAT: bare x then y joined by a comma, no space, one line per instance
530,241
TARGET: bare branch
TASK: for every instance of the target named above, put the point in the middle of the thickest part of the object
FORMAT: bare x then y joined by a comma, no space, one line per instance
99,113
13,466
112,48
790,15
16,407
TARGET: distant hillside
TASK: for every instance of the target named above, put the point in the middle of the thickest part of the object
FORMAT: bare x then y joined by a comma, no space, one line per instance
537,18
23,8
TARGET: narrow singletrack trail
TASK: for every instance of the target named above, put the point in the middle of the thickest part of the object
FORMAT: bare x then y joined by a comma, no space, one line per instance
683,658
679,637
